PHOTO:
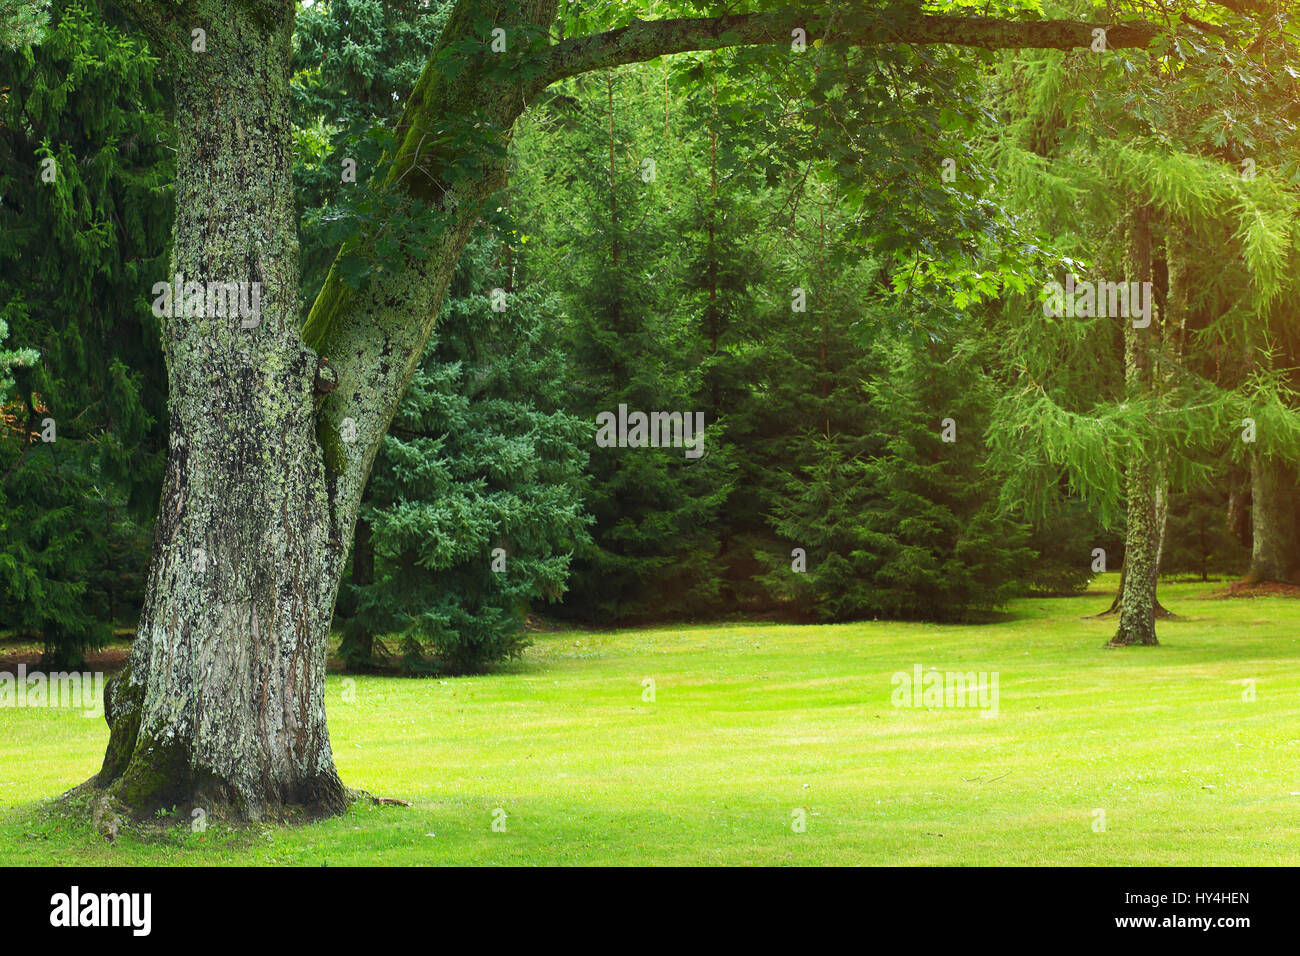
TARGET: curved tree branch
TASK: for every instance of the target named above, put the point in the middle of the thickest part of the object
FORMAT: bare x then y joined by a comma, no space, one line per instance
643,40
1244,8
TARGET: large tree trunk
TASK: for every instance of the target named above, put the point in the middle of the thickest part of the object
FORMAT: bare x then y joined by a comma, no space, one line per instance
1275,545
222,705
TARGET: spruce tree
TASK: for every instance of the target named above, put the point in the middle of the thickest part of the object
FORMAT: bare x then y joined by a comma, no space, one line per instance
84,221
475,502
633,344
900,519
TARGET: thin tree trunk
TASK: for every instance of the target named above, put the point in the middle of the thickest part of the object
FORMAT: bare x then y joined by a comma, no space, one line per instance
357,649
1161,612
613,191
1137,604
1118,600
1239,518
1162,516
1142,534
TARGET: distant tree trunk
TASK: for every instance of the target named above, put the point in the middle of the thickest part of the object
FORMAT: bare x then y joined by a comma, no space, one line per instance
357,650
613,182
1239,507
1119,596
1275,548
1138,599
1142,533
1162,517
1161,611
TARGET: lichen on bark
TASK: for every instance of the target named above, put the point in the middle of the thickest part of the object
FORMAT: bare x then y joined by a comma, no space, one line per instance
1142,533
222,704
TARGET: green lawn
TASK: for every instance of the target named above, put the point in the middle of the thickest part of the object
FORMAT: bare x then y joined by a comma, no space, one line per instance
753,722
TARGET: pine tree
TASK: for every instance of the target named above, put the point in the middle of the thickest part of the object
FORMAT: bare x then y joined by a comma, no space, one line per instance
1197,539
84,227
901,521
1130,414
22,22
817,360
632,344
939,548
475,502
728,206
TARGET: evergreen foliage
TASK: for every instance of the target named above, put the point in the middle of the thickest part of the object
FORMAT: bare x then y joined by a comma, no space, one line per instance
84,227
475,503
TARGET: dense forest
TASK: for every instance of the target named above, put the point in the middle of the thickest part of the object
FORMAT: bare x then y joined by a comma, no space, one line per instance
807,332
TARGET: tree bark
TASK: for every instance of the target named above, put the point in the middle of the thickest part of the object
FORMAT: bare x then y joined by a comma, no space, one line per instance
1275,545
1142,534
357,649
1138,599
1160,612
645,40
1239,518
221,706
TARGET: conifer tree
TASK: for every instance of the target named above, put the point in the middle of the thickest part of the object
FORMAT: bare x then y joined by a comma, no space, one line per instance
1088,154
633,347
899,516
84,226
732,275
475,503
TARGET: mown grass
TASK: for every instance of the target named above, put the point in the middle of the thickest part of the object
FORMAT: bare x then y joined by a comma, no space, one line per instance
751,723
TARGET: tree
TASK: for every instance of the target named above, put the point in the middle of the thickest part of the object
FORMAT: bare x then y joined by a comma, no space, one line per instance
900,519
84,216
22,22
632,349
1198,540
474,506
1166,216
222,702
